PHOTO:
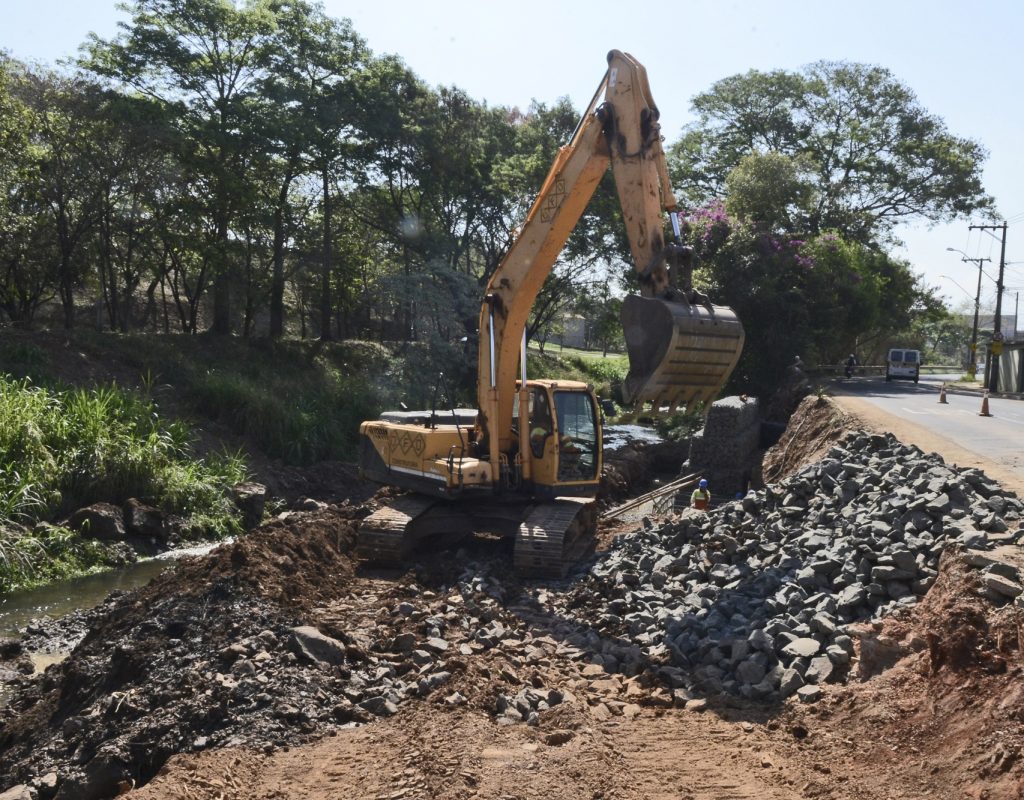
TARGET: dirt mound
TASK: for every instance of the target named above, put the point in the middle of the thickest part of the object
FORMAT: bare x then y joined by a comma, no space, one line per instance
202,656
301,559
815,426
950,712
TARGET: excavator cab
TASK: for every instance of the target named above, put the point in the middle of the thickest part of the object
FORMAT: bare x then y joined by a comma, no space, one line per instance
564,449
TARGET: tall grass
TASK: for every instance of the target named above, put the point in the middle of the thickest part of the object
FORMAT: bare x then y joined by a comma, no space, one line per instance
298,416
64,448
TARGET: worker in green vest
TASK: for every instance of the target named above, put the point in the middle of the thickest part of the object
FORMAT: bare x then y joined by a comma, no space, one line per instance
701,497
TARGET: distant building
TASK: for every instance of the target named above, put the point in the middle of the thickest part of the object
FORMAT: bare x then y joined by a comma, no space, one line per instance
574,332
1008,322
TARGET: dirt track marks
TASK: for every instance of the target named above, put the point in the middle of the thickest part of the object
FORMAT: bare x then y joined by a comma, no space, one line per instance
699,757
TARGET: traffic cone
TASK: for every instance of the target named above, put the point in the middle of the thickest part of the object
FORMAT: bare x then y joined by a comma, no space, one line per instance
984,406
942,395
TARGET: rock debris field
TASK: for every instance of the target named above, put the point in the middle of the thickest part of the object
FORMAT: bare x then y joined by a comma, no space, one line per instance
757,597
281,638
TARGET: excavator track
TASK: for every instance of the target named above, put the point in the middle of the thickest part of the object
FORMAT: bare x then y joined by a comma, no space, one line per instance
383,535
553,536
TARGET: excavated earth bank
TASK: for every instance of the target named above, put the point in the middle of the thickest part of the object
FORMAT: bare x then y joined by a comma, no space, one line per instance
831,636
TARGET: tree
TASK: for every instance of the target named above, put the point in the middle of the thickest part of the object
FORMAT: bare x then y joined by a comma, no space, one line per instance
312,82
203,60
820,298
132,170
873,154
26,252
603,312
69,145
771,189
597,248
945,337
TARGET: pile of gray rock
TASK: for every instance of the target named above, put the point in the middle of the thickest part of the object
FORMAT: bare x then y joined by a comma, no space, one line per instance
755,598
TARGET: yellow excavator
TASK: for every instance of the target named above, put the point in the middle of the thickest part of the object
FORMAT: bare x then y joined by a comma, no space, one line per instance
527,462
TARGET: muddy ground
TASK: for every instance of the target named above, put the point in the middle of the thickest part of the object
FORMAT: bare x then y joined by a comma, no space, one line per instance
201,685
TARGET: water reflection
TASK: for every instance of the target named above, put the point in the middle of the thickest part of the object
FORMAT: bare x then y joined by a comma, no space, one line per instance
618,436
19,608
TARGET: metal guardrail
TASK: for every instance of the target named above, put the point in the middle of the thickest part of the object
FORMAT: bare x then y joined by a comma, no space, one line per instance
878,369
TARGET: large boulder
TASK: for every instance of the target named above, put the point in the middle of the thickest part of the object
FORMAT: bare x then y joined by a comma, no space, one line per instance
143,520
102,521
312,645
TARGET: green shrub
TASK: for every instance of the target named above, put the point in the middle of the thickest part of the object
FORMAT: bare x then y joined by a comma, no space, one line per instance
65,448
681,424
604,374
22,358
19,555
48,555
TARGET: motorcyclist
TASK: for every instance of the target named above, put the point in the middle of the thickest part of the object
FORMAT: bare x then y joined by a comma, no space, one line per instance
851,362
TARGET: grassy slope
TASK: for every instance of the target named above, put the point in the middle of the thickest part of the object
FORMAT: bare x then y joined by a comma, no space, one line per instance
155,411
90,418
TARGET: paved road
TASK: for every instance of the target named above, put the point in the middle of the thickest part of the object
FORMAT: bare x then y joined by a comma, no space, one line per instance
999,437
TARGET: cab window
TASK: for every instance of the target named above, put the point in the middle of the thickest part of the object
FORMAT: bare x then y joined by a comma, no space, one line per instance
578,438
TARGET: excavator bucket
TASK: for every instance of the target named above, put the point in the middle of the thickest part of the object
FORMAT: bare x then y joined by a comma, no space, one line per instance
679,354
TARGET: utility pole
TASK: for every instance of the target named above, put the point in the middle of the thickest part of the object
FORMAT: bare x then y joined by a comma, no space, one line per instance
997,333
977,304
973,368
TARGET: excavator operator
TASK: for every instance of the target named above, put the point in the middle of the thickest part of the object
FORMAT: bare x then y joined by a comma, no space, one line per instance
540,423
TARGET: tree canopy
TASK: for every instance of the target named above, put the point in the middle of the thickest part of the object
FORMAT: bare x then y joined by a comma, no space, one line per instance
866,151
251,166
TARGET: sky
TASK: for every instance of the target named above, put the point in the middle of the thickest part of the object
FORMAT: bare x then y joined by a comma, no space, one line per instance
964,61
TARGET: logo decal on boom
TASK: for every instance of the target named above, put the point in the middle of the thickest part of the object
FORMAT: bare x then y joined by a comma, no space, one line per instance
554,201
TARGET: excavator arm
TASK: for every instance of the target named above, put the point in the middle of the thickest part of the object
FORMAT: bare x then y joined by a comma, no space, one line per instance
680,351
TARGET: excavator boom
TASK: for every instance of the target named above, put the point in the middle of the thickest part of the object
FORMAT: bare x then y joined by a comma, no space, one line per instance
681,348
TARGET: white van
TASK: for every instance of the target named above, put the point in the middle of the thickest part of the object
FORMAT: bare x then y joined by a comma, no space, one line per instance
903,364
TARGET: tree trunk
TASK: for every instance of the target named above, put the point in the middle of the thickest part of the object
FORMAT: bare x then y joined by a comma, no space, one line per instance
325,273
67,292
250,292
222,282
277,280
163,299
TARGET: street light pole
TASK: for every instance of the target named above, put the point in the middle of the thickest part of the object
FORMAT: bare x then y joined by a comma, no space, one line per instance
973,368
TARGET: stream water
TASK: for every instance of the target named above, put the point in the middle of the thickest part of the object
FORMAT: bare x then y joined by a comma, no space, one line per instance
19,608
618,436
